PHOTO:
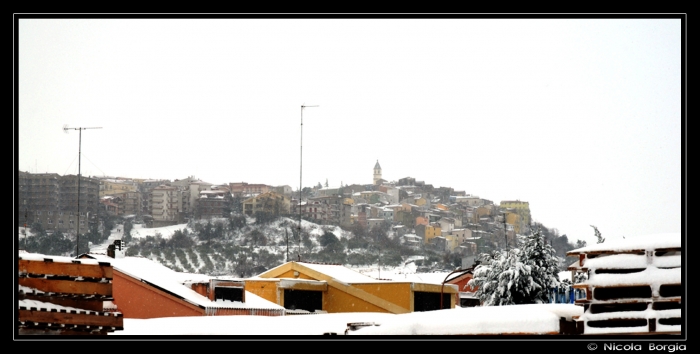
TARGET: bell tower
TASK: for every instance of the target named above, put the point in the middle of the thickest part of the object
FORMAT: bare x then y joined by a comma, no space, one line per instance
377,172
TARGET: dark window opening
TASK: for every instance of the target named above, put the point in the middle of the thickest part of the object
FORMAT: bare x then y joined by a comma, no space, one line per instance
660,253
603,308
469,302
424,301
228,294
303,300
675,321
619,271
622,292
670,290
666,305
617,323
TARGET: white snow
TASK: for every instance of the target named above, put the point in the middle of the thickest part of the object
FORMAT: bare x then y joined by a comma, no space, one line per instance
145,269
138,231
630,261
515,319
642,242
651,275
61,259
616,261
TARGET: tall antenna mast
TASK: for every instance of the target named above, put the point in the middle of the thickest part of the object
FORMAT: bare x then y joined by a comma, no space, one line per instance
80,139
301,144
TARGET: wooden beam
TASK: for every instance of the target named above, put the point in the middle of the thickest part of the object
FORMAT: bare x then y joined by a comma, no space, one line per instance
65,269
275,272
87,304
67,286
298,285
104,319
434,288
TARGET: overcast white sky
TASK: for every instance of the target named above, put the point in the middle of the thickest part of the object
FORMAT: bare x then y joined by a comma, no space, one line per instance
579,117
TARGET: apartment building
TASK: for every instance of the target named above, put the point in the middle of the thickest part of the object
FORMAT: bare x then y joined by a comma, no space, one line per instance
166,205
54,201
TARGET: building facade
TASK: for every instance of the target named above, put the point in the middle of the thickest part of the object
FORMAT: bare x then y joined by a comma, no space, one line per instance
522,208
166,204
269,202
55,202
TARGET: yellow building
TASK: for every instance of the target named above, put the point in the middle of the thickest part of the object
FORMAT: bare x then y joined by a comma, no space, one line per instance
515,220
269,202
428,232
452,242
311,287
520,207
112,187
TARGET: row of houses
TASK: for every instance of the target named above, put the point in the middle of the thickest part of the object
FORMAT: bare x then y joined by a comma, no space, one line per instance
61,202
631,287
439,216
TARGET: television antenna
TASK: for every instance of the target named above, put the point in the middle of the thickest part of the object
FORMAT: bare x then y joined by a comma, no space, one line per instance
301,144
66,128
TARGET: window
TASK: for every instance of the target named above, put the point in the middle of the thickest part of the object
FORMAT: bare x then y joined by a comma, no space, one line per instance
49,221
303,300
228,293
38,212
427,301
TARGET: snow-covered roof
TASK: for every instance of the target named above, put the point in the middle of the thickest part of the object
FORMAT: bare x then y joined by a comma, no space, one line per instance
212,191
631,243
61,259
340,273
169,280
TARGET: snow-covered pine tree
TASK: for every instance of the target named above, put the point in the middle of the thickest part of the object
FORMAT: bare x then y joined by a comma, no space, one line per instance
502,280
541,257
518,276
598,235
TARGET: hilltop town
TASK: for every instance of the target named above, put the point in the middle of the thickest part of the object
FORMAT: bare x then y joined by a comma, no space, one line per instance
256,225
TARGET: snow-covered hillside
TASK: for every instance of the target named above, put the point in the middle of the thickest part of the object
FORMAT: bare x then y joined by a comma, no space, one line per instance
245,250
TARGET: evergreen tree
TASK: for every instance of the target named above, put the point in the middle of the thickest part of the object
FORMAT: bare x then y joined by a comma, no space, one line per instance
541,257
502,279
128,226
518,276
598,235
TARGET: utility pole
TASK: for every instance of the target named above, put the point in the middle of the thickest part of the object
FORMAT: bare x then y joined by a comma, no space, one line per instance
25,227
301,145
379,264
505,231
80,138
286,238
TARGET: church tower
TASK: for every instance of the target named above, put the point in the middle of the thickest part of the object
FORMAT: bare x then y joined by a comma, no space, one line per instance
377,172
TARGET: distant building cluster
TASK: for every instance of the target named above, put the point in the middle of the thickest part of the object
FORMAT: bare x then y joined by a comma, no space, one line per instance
421,214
